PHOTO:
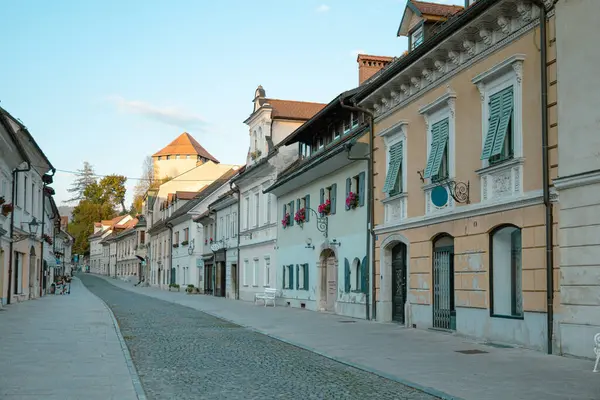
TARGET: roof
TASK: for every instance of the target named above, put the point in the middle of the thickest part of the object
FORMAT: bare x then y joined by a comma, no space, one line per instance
368,57
185,144
436,9
290,109
185,195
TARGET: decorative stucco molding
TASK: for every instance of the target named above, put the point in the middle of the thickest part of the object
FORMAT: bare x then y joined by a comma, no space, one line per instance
568,182
445,100
515,62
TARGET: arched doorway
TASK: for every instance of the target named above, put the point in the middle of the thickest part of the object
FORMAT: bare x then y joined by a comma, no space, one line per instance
32,272
328,277
444,314
399,283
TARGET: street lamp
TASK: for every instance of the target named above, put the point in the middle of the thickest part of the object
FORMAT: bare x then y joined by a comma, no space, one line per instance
33,226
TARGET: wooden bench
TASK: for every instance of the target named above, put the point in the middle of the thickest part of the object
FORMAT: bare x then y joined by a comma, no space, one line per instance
270,294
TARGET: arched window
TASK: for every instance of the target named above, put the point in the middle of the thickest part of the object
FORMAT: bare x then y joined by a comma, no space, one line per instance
506,272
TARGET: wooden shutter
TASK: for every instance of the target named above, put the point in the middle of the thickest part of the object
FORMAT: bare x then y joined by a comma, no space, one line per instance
333,198
364,275
347,284
362,189
283,217
348,183
435,138
298,276
291,273
307,207
284,268
393,167
292,213
495,109
444,132
503,121
322,196
305,276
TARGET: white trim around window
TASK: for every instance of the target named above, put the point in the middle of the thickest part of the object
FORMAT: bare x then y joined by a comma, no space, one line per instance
267,271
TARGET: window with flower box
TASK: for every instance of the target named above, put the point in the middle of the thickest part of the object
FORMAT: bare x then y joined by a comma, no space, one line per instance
355,191
327,200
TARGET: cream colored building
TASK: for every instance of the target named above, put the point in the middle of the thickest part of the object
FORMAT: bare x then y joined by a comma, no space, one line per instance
181,155
459,192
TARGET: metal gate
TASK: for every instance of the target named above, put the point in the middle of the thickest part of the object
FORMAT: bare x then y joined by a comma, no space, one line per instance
398,282
443,287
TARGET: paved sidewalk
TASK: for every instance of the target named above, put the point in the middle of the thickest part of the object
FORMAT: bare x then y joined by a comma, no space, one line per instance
419,358
62,347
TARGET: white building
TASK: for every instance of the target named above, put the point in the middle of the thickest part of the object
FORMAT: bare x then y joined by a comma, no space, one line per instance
102,229
322,257
63,244
271,121
578,183
127,241
22,166
224,212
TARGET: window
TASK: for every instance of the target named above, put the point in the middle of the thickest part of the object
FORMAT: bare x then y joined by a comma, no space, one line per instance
499,140
177,157
176,241
25,193
354,119
227,226
221,232
355,275
356,185
346,124
168,157
247,212
321,142
234,225
288,276
506,272
255,273
256,208
142,237
269,206
267,277
416,38
33,195
305,150
245,273
289,209
186,235
302,273
187,157
329,193
437,160
393,180
335,133
159,158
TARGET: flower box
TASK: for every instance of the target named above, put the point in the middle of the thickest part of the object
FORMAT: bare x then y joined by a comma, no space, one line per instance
300,216
325,208
351,201
175,245
7,208
255,154
2,201
185,243
285,221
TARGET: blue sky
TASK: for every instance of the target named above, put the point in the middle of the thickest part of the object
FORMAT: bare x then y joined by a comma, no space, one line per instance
112,81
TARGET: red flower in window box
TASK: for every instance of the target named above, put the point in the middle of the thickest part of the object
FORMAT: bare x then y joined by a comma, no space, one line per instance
351,200
285,221
2,201
325,208
300,216
7,209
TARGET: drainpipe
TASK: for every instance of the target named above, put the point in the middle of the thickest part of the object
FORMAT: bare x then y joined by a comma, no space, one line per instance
42,244
12,225
370,216
546,176
170,226
237,269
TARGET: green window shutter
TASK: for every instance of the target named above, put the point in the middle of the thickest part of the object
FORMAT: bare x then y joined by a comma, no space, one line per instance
361,189
495,109
364,271
443,133
292,213
346,275
435,139
393,167
283,216
348,183
307,207
322,196
333,198
305,276
504,120
291,273
297,277
282,286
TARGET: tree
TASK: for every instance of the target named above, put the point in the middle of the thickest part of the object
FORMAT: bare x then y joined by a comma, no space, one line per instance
148,178
85,177
109,190
84,215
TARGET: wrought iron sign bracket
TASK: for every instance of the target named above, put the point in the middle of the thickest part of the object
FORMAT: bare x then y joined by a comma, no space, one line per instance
322,222
459,191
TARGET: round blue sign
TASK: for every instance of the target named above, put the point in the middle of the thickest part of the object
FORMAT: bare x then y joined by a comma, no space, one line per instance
439,196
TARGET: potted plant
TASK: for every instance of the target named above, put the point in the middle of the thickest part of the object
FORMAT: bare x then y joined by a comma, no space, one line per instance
351,201
211,240
300,216
173,286
2,201
190,289
185,242
285,221
255,154
7,208
175,245
325,208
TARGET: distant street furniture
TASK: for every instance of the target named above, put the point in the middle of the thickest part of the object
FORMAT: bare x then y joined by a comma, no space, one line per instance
269,295
597,350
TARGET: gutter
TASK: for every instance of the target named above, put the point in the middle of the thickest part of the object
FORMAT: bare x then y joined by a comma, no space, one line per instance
12,226
170,226
370,239
237,268
546,178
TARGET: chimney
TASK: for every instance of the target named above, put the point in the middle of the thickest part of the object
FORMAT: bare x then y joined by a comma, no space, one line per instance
370,65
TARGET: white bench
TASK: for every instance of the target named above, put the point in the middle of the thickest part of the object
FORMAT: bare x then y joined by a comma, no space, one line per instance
597,350
270,294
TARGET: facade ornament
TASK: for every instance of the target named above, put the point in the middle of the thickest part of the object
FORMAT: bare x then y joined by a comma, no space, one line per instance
486,36
428,75
377,109
405,89
452,105
395,97
524,10
416,82
454,57
440,66
426,118
469,46
481,88
504,24
548,4
518,68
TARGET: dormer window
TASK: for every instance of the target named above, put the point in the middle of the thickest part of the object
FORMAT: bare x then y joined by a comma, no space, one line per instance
416,38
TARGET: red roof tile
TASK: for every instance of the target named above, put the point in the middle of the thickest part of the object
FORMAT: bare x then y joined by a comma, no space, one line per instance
289,109
440,10
185,144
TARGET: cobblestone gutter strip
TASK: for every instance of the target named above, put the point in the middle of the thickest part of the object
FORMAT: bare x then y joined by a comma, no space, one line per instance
135,379
425,389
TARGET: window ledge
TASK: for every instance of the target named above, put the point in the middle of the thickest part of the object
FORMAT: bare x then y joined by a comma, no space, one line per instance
517,317
500,166
431,185
395,197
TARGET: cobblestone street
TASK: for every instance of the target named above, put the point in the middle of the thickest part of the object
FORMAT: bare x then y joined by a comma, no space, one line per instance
181,353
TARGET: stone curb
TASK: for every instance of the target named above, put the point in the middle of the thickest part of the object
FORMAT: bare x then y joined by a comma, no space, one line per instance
135,379
416,386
